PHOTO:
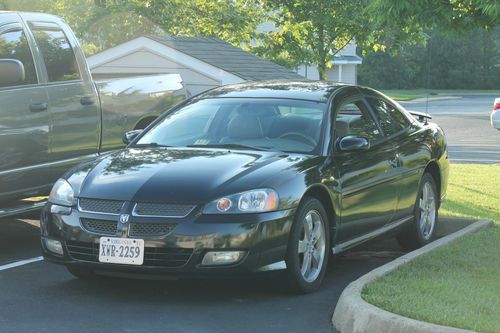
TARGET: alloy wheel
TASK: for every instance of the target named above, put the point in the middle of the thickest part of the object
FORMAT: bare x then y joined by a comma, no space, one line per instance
427,205
311,247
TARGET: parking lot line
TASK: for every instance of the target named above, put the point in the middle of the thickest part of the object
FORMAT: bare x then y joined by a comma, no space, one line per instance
20,263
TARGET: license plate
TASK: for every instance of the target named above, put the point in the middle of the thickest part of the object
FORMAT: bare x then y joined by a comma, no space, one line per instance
121,251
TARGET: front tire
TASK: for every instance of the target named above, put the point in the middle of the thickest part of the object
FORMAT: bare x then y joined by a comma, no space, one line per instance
425,211
308,247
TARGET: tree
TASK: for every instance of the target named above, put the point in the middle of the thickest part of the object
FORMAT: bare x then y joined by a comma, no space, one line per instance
100,24
455,15
312,31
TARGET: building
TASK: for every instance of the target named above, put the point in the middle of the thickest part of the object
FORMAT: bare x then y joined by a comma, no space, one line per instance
202,62
344,67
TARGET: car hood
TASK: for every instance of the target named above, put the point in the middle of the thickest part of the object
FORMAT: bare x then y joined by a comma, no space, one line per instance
189,175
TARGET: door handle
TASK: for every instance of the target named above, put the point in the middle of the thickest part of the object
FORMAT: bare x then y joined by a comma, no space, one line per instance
38,107
87,100
395,161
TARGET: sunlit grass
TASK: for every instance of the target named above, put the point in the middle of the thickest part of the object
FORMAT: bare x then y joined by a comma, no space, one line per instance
457,285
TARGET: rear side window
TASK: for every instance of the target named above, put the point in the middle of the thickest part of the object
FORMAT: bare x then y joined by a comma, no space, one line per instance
14,45
58,54
390,118
353,119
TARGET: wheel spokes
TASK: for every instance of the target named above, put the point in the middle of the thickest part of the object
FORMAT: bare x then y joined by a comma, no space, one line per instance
302,246
306,264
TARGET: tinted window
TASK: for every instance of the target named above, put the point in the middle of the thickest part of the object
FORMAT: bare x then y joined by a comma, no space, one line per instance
58,55
353,119
275,124
13,45
391,119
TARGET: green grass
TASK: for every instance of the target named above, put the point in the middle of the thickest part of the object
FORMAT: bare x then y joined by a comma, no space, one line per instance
457,285
410,94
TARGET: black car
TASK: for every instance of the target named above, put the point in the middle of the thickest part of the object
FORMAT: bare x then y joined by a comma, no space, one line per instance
249,178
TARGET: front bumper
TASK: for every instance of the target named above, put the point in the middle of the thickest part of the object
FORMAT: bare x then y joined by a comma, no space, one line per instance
262,236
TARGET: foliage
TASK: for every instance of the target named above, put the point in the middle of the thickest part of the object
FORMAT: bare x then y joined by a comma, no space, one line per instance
447,61
311,32
100,24
452,15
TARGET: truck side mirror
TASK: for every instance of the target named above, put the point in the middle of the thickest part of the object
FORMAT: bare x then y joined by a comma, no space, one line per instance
128,137
11,72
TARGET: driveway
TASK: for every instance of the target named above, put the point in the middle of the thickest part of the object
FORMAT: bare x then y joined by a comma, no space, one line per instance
44,297
466,122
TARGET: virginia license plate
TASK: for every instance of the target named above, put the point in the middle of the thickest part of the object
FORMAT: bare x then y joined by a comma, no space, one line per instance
121,251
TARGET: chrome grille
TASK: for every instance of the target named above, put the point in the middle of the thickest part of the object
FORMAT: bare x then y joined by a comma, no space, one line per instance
102,227
100,206
150,229
162,210
153,256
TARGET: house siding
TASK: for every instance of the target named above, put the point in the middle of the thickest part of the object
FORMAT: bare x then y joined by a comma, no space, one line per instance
148,63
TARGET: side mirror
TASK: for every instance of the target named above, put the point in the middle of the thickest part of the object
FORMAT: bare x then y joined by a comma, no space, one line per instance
130,136
353,143
11,72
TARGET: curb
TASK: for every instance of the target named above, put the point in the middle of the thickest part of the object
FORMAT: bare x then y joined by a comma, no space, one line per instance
354,315
431,98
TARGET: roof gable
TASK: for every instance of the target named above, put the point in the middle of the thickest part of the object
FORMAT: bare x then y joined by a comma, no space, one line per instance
227,57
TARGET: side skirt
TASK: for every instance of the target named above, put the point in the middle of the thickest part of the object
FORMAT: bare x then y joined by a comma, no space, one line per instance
361,239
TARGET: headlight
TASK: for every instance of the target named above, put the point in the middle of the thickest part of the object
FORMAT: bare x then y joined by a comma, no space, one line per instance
254,201
62,193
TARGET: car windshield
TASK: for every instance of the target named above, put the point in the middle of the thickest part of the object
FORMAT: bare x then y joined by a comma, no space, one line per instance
242,123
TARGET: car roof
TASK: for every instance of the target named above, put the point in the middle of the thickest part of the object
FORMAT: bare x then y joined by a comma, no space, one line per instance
318,91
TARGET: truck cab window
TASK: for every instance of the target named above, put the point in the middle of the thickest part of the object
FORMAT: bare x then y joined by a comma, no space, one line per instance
58,54
14,45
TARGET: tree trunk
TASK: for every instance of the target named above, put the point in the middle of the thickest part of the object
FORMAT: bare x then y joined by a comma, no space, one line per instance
322,71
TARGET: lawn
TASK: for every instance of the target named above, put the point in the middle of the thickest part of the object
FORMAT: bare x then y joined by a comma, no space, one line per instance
457,285
410,94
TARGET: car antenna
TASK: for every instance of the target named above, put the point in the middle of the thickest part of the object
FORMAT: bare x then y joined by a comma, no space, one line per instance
429,59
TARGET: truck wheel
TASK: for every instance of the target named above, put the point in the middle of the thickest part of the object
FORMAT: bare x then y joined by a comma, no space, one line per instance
308,247
421,231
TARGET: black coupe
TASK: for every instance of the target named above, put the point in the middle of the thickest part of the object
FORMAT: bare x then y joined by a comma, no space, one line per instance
248,178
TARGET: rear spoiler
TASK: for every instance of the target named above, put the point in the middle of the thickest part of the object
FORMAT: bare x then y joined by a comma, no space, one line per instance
420,115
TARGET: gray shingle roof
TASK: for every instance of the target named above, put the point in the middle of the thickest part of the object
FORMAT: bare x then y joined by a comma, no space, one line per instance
228,57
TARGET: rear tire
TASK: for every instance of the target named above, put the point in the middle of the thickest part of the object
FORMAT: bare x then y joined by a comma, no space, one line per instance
82,273
421,231
308,247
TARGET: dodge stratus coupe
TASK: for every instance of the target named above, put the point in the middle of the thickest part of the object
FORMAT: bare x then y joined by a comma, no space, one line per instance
249,178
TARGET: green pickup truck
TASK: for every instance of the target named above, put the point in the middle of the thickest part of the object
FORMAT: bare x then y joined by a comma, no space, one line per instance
52,114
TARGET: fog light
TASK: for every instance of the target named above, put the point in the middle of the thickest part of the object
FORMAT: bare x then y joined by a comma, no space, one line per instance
222,258
54,246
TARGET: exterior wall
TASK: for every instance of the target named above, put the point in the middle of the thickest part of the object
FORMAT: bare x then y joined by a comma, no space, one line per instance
349,73
349,50
145,63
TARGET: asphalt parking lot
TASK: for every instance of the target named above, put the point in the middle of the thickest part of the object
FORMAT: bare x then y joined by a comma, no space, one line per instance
44,297
466,122
40,296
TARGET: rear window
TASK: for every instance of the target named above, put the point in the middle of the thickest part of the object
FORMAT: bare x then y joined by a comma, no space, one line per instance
58,54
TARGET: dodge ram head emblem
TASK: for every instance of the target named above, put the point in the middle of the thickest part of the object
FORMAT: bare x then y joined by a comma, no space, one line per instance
124,218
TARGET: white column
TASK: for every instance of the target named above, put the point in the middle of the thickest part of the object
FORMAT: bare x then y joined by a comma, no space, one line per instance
340,73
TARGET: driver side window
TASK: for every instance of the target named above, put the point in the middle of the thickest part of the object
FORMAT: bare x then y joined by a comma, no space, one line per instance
354,119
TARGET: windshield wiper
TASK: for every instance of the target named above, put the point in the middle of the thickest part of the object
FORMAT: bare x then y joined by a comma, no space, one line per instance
230,146
150,144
